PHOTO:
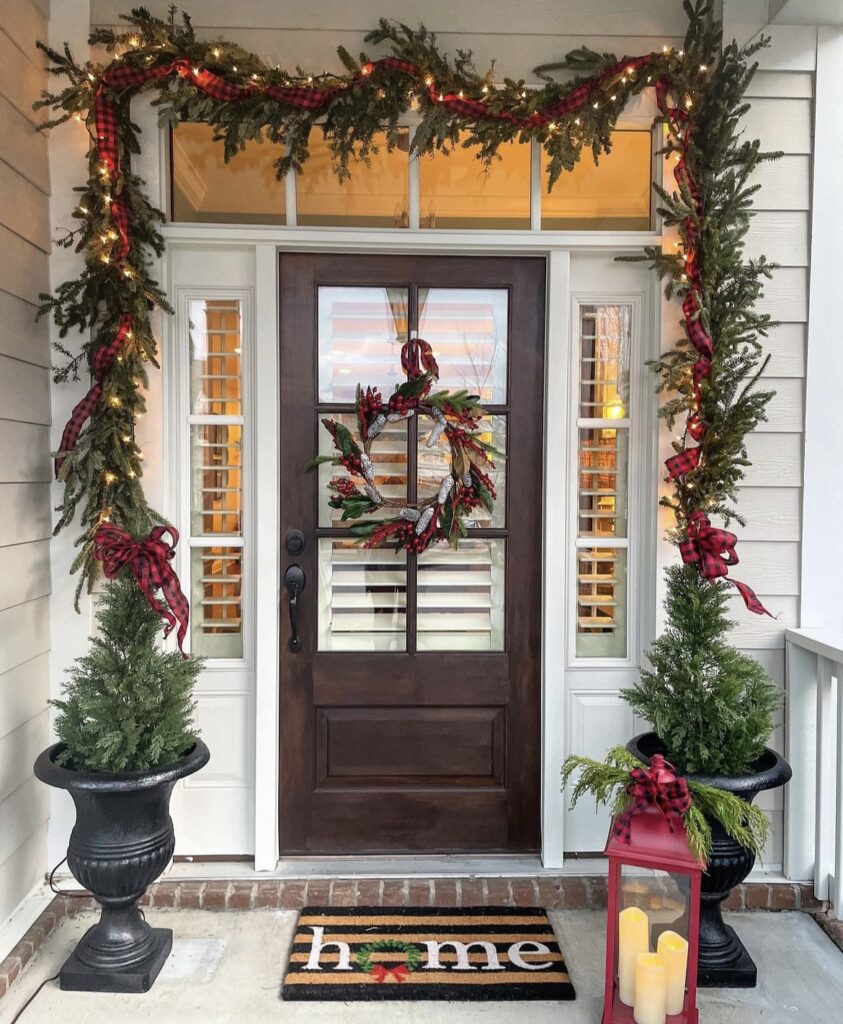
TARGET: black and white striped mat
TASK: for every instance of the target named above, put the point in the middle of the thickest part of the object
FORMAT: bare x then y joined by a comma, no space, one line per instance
466,953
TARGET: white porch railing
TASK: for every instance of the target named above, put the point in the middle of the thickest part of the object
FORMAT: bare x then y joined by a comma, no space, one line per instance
813,841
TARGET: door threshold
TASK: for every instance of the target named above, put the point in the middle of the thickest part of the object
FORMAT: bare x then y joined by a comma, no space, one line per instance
404,866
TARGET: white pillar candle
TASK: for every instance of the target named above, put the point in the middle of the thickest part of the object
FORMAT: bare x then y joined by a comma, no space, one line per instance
633,938
673,949
650,990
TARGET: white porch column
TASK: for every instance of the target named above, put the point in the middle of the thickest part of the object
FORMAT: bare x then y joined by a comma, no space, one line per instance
822,545
67,145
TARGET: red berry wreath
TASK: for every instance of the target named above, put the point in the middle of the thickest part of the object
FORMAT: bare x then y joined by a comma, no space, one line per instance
456,416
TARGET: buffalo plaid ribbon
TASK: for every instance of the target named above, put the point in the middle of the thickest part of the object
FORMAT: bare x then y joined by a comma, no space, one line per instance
714,550
149,560
417,358
655,786
105,356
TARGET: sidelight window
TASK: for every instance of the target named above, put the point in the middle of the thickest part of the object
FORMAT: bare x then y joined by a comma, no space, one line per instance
603,427
216,476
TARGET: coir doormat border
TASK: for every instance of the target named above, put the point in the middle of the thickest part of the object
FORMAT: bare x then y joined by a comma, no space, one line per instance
397,969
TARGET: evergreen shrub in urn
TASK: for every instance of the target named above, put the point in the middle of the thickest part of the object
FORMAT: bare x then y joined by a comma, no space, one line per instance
125,736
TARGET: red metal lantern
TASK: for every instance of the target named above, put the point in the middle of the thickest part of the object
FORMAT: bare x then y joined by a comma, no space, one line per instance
652,933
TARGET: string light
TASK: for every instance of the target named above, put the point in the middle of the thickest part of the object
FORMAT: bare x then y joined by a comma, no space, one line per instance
233,67
485,88
428,80
84,209
77,116
91,77
106,197
109,477
366,70
105,258
217,52
131,474
126,439
105,515
115,402
196,71
595,105
689,103
134,41
703,67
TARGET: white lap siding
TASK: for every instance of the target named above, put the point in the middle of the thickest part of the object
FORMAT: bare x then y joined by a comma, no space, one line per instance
25,514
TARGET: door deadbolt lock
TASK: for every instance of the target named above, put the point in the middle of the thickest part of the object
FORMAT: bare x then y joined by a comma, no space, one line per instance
294,542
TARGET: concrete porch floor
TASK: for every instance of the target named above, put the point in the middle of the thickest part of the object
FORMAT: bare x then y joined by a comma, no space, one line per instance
228,967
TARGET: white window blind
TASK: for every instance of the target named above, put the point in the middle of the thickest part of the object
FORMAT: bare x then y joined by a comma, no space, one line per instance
603,424
216,477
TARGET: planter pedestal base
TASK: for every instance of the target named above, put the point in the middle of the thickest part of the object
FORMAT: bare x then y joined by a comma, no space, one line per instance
77,976
740,972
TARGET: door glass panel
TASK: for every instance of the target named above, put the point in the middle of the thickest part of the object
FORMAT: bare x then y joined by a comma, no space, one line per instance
389,457
216,478
468,330
461,597
375,195
434,463
601,602
612,195
206,188
362,597
361,331
457,191
216,622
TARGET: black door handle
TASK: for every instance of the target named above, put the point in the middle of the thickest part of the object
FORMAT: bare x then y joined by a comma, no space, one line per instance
294,582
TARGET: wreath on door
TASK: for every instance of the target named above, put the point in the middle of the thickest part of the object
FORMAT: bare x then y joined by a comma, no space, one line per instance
468,484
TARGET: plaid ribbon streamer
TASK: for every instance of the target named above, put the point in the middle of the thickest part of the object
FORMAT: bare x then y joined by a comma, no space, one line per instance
417,358
149,560
714,550
656,786
685,461
105,356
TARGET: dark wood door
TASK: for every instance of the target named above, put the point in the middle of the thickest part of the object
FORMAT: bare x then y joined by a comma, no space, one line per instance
410,718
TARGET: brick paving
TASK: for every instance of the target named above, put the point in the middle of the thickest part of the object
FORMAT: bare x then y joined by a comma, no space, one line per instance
552,893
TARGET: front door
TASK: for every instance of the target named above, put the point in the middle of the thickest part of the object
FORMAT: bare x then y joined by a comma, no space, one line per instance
410,715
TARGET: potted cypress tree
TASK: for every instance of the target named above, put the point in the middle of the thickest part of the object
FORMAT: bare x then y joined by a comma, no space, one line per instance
711,708
125,736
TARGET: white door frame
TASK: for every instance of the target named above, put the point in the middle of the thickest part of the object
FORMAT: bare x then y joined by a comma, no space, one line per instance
268,243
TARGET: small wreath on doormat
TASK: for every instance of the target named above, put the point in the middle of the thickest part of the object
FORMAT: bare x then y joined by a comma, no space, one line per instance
399,972
455,415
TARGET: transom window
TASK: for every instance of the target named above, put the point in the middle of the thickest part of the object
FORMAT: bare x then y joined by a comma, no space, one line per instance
437,191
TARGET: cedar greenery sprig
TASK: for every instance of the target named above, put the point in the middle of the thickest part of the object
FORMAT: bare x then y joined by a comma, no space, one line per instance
607,782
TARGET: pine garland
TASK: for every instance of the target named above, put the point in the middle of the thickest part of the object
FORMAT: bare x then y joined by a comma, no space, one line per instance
607,782
456,105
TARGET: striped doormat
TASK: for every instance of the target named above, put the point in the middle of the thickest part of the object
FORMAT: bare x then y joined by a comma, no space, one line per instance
469,953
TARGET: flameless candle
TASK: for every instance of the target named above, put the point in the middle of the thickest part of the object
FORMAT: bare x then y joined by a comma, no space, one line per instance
673,949
633,938
650,989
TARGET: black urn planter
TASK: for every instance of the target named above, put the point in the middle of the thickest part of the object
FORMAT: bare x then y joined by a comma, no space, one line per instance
122,841
723,960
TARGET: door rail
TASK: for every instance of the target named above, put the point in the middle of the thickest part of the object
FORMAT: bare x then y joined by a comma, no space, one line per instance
813,845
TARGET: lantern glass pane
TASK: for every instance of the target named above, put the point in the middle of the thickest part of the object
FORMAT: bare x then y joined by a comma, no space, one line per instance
654,918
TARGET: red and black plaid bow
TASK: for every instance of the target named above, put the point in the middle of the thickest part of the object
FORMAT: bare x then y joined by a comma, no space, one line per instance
417,358
714,550
149,560
656,786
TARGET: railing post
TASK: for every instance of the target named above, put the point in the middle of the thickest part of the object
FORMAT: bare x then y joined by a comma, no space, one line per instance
825,826
837,906
801,752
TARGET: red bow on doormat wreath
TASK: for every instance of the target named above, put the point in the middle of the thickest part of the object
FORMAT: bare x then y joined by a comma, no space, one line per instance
149,560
